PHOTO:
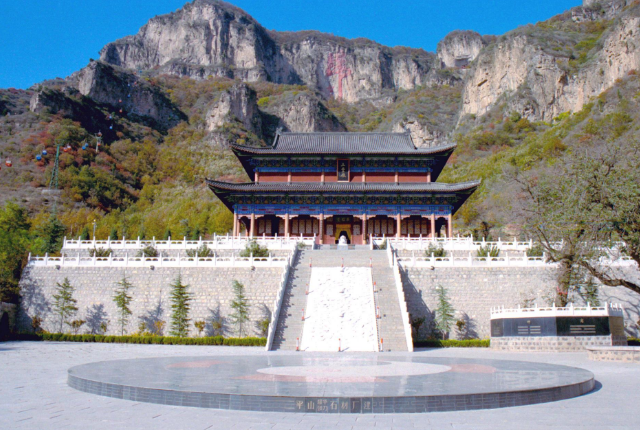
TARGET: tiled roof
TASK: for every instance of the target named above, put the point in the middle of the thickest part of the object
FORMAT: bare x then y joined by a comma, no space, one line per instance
343,187
343,143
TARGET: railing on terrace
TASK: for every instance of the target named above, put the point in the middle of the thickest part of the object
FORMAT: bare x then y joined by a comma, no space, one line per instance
608,309
275,314
152,262
500,261
217,242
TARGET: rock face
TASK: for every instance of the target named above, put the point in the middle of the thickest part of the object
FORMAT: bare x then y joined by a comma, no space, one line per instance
303,113
459,48
421,135
213,38
237,103
541,87
106,84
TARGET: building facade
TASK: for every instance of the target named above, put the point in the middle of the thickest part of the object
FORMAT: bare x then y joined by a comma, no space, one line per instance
343,184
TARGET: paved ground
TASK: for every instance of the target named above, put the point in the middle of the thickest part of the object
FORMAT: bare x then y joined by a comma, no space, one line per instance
34,395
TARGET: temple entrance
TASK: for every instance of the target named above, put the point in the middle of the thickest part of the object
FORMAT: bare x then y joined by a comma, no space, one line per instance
343,230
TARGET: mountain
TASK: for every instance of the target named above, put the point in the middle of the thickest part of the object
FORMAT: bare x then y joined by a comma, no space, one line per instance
168,100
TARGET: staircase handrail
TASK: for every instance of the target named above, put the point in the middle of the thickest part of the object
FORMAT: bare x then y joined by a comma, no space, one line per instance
284,280
404,314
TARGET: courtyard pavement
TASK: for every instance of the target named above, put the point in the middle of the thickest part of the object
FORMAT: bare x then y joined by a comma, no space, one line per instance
34,395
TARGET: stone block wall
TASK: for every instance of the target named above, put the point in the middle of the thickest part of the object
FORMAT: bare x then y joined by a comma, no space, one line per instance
473,291
211,290
554,343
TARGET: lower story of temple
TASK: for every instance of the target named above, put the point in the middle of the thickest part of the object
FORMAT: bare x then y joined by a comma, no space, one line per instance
329,228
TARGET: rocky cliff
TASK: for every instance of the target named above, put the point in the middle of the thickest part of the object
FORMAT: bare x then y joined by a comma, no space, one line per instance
459,48
212,38
544,70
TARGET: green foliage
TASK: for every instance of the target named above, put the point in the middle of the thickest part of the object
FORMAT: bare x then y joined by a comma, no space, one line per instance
113,235
84,234
166,235
180,299
200,325
240,306
76,325
155,340
49,236
203,251
64,305
263,324
148,251
14,246
535,251
101,252
488,251
452,343
122,299
416,323
435,250
444,313
254,248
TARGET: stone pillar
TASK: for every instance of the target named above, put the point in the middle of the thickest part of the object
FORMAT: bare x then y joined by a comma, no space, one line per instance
286,224
235,223
252,229
449,226
321,222
433,226
398,225
364,229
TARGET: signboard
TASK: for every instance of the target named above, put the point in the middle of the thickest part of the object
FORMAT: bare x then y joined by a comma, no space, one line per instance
343,170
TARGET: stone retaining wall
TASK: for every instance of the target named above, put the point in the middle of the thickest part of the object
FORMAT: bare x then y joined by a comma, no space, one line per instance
554,343
94,289
627,354
9,310
473,291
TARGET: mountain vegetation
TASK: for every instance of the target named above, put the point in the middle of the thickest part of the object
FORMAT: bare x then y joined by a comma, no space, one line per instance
136,141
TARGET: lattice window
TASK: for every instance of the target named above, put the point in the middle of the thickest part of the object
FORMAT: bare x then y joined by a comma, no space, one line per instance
281,227
330,230
294,227
268,225
356,229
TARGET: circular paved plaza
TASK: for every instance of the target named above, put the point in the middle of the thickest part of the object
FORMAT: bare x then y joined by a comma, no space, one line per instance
332,383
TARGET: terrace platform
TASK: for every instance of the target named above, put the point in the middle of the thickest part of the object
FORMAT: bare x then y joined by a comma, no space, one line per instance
332,383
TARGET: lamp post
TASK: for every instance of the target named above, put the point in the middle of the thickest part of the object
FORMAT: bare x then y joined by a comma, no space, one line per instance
94,229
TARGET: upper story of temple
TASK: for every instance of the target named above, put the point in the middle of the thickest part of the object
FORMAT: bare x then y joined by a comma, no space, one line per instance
343,157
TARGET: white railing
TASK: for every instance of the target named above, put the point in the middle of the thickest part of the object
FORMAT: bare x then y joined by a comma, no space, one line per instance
501,261
273,325
153,262
458,243
553,311
376,307
404,314
217,242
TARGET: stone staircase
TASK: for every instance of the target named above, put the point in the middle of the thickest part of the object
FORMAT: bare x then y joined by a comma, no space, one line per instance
290,324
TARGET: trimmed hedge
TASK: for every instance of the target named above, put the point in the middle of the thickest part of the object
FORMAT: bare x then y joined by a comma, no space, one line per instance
155,340
452,343
632,341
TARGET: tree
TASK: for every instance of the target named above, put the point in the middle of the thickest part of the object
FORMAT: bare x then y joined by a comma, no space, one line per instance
76,325
84,234
122,299
444,312
594,215
180,299
113,235
64,305
240,306
50,235
200,325
254,248
14,245
167,234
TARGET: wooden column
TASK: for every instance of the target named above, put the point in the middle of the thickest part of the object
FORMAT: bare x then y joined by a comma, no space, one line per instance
257,177
428,176
286,224
396,176
322,177
449,226
364,176
364,229
235,224
433,226
252,229
321,228
289,176
398,226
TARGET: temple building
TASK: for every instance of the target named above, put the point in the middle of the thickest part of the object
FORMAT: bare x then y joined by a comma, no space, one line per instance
343,184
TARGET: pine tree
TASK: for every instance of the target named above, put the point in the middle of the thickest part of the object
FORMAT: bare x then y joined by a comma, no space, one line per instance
84,234
167,234
122,300
180,299
240,306
444,312
50,235
64,304
113,235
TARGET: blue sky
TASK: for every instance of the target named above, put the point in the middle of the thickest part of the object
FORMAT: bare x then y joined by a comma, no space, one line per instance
44,39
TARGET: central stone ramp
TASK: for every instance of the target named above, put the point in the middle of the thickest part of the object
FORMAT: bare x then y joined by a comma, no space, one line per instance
340,311
390,325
